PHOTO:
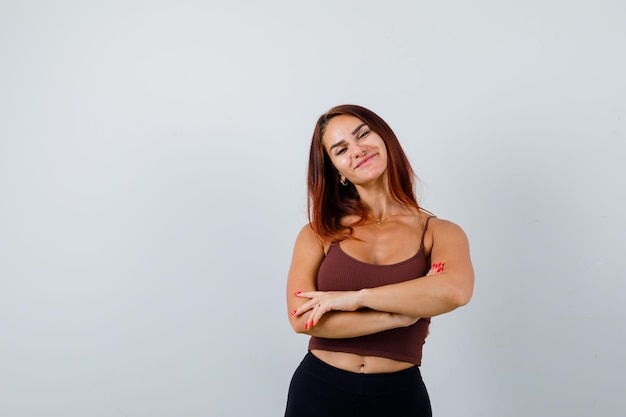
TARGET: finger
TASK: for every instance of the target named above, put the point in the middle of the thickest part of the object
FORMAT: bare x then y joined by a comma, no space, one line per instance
308,294
310,321
317,313
436,268
309,305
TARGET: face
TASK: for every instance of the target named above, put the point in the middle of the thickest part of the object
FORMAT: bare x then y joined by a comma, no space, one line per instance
357,152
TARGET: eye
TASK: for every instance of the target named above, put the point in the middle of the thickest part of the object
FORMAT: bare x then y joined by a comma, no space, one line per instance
340,151
364,134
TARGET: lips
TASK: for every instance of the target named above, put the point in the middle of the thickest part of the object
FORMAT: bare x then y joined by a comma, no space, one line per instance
364,160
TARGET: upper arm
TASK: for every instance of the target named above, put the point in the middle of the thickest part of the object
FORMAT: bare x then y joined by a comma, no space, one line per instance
308,253
451,246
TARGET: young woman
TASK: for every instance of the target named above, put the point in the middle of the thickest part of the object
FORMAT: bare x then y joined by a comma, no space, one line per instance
367,273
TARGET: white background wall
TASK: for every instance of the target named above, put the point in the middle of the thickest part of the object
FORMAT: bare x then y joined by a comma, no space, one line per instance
152,181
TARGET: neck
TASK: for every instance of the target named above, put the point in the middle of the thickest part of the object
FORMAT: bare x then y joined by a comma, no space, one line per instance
382,209
377,199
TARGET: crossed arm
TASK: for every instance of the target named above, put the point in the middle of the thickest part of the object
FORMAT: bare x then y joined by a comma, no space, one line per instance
341,314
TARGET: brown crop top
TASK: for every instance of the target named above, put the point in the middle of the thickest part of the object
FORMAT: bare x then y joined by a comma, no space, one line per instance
341,272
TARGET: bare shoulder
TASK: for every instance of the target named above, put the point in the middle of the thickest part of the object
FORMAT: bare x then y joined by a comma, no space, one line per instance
444,233
308,242
439,226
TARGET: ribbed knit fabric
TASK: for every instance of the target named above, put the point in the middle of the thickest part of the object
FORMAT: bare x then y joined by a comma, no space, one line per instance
341,272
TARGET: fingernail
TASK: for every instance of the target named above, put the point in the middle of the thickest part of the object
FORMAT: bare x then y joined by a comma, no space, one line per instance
306,326
293,312
298,292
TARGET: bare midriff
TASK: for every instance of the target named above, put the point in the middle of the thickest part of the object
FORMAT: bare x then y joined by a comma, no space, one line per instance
360,364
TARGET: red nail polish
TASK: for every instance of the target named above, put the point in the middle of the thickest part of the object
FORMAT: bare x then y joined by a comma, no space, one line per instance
298,292
306,326
293,312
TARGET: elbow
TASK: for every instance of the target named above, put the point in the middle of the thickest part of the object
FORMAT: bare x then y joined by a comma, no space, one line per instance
300,330
460,291
463,298
460,297
455,295
298,326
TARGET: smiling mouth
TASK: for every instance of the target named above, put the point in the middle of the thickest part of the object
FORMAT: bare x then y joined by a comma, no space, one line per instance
364,160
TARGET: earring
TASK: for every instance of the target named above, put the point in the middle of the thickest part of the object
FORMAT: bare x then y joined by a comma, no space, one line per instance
343,181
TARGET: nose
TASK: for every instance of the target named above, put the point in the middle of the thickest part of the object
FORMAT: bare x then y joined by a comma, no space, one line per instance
358,150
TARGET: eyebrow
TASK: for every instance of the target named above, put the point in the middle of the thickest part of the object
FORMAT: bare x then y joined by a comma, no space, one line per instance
342,141
357,128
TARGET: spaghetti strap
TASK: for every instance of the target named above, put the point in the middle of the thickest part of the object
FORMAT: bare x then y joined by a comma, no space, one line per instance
424,232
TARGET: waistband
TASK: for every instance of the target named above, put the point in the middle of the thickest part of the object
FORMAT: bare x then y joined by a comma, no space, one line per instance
360,383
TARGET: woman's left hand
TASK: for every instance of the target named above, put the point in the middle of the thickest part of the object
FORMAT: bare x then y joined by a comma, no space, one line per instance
322,302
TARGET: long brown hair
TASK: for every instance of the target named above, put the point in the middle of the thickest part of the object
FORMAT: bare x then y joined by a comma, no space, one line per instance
328,200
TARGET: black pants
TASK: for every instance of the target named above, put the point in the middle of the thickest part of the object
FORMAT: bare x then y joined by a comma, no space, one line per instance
320,390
